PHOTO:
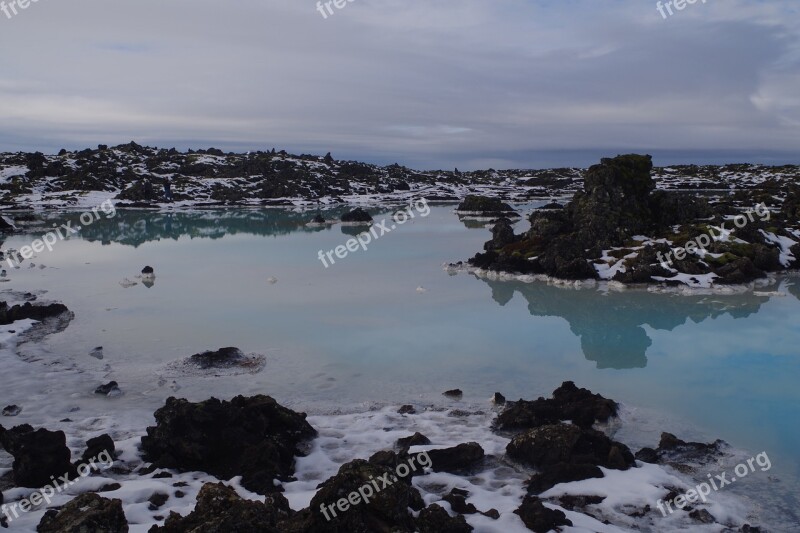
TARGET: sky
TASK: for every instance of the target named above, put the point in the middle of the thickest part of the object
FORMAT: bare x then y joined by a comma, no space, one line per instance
426,83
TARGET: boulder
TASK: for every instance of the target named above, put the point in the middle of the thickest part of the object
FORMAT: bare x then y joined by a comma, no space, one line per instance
483,205
338,506
539,518
220,509
434,519
88,513
569,402
461,458
254,437
38,454
566,443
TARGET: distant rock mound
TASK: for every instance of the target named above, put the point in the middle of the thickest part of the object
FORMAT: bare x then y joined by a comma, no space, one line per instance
619,227
357,215
229,361
485,206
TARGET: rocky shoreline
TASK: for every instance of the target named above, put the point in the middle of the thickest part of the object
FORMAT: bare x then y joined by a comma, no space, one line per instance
241,459
619,228
135,176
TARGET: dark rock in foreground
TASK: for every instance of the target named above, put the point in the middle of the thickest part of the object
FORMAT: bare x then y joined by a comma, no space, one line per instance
88,513
387,509
461,458
219,509
255,438
485,206
539,518
565,443
581,406
38,454
553,474
434,519
671,449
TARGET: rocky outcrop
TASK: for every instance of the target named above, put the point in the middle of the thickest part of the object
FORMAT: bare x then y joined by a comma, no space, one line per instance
569,402
88,513
565,443
335,509
255,438
434,519
220,509
29,310
619,220
502,235
539,518
485,206
673,450
458,459
38,454
357,215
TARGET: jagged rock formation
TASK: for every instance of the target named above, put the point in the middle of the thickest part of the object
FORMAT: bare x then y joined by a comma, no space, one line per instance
619,227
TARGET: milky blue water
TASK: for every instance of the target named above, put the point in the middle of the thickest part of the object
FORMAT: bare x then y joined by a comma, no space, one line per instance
360,332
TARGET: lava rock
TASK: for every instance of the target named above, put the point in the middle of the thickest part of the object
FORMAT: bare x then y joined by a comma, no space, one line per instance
147,271
255,438
417,439
386,510
96,447
12,410
434,519
109,389
483,205
502,235
552,475
88,513
39,455
220,509
357,215
581,406
539,518
222,358
566,443
461,458
453,393
28,310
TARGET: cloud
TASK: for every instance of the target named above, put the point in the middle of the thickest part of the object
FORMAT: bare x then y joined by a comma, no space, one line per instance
436,83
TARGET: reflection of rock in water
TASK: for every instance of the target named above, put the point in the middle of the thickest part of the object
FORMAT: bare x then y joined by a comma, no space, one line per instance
610,324
135,227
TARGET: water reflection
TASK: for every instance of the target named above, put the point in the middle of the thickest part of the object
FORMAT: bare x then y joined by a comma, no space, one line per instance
136,227
610,325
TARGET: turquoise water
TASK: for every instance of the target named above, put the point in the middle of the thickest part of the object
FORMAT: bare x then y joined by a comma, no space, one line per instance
359,332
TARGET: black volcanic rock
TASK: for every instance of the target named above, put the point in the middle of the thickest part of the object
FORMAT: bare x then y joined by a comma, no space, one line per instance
386,509
485,206
539,518
29,310
565,443
569,402
88,513
618,202
38,454
357,215
220,509
255,438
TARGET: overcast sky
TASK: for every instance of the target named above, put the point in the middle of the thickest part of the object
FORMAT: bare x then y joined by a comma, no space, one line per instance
426,83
